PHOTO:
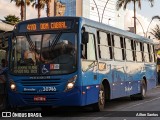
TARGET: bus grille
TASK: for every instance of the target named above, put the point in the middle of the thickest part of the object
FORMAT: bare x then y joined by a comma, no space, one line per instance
51,82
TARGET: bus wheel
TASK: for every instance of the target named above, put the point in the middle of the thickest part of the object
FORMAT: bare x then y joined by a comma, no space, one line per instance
142,94
99,106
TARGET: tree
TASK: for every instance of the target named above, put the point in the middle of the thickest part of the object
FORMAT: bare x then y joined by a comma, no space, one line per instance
12,19
48,3
40,4
156,32
124,3
21,3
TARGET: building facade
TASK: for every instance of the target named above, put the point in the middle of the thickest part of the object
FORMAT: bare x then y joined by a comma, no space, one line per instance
98,10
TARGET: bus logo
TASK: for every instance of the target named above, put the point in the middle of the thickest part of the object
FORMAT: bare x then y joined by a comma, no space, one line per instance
6,114
44,70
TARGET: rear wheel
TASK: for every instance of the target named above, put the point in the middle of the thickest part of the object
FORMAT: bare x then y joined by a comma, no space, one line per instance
142,94
99,106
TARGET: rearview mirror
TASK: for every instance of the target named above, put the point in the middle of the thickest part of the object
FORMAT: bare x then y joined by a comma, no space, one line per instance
85,37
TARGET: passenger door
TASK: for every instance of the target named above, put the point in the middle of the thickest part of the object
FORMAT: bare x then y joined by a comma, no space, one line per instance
89,70
118,67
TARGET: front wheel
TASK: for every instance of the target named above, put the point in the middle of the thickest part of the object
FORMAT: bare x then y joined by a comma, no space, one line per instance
99,106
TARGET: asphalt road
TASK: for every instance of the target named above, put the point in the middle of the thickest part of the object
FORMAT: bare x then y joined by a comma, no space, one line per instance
117,109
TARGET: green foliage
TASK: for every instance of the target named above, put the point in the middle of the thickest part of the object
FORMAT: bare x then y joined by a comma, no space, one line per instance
12,19
40,4
22,2
156,32
124,3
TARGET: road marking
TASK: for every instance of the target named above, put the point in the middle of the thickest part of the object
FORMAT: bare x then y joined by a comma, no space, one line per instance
141,103
154,93
127,108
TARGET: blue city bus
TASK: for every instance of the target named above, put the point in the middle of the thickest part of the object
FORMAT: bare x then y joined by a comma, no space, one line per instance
74,61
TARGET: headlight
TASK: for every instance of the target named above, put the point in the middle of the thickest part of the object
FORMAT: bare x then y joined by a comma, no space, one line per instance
12,86
71,83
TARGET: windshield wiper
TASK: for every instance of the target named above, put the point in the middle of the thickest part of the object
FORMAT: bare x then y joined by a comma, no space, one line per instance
55,40
31,44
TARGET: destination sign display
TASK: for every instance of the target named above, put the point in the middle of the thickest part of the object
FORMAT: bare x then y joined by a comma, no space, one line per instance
26,69
44,26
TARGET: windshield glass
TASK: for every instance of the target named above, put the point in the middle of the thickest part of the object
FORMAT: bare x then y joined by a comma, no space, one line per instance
44,53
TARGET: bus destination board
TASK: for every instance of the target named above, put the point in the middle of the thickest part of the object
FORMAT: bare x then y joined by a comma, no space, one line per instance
44,26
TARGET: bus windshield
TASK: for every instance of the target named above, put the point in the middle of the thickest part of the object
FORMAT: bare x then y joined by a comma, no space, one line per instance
51,53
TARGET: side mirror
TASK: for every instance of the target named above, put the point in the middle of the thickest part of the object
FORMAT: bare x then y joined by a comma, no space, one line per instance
85,37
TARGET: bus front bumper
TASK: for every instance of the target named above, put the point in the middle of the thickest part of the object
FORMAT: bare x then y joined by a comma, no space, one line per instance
57,99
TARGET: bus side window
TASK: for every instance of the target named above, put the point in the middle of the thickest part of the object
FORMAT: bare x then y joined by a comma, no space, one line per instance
104,45
123,47
90,48
142,51
129,50
139,56
150,51
110,45
153,54
133,49
146,54
118,54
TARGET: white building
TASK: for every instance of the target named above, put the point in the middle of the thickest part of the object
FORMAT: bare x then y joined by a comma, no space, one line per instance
99,10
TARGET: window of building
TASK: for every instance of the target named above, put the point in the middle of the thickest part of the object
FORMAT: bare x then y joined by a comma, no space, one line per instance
92,8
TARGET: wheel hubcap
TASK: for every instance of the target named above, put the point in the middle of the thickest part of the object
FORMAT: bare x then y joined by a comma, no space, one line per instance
143,91
101,97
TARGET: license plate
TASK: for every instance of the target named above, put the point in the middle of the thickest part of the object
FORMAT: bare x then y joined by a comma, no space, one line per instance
39,98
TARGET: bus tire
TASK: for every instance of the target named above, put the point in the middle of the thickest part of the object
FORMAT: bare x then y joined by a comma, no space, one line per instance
99,106
142,94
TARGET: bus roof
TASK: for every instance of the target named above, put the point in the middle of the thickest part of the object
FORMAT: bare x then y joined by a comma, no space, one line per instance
115,30
98,25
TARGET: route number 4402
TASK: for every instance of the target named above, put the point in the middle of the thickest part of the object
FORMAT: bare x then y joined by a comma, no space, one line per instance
48,89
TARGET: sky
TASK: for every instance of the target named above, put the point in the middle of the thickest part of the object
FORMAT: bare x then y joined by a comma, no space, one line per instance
144,15
146,10
7,7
